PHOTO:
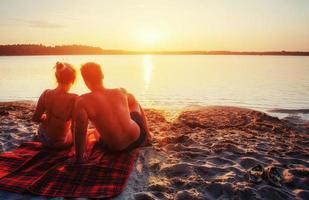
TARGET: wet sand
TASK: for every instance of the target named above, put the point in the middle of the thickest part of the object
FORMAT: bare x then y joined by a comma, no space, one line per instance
198,153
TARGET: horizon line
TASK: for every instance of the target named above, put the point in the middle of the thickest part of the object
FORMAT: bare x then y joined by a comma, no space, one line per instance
77,49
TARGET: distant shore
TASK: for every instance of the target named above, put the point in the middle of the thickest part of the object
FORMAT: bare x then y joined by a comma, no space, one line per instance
198,153
41,50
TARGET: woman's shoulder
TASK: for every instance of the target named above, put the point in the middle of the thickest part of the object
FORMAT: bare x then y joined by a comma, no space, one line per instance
46,91
44,94
62,97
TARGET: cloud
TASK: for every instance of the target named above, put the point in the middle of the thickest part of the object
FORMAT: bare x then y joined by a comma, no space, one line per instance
39,23
43,24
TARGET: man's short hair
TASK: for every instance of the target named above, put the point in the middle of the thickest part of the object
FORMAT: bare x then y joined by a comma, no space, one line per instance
92,73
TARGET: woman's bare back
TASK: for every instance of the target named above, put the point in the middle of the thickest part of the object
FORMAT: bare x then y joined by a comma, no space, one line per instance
54,111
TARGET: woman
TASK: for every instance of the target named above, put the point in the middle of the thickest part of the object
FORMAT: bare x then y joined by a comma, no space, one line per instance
54,110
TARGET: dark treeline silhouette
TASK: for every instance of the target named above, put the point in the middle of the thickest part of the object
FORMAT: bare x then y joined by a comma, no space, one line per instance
258,53
261,53
34,49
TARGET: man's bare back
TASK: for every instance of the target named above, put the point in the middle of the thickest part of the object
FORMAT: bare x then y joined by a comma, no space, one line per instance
109,112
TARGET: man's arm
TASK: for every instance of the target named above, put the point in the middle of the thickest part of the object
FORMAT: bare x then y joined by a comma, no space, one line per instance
80,131
133,103
149,136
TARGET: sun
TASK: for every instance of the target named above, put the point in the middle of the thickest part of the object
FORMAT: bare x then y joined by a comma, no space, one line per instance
149,36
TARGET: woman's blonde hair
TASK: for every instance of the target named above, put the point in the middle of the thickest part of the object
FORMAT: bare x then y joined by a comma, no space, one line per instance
65,73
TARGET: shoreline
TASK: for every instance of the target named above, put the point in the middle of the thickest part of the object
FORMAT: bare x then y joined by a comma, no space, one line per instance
198,153
161,54
299,115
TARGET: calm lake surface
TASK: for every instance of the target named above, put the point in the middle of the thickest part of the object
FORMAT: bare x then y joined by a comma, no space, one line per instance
259,82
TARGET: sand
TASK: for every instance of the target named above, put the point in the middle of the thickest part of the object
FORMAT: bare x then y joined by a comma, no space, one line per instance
198,153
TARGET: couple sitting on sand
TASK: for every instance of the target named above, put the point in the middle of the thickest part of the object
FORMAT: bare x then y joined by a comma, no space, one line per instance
119,120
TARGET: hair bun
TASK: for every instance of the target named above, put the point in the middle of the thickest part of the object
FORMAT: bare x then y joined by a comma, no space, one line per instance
65,73
59,66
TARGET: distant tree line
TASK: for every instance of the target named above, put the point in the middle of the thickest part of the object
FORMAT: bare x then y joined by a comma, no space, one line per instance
35,49
258,53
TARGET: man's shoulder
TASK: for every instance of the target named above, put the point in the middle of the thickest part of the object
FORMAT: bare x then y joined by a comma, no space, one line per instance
118,91
124,92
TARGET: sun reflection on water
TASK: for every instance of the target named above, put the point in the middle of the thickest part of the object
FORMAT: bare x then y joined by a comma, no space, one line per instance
148,69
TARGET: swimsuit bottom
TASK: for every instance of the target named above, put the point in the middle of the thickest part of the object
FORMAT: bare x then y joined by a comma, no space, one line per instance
43,138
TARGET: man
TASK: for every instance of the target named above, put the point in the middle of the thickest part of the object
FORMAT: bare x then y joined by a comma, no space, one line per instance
118,118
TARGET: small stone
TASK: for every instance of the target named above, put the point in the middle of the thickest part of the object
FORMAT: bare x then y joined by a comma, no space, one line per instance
158,187
188,194
144,196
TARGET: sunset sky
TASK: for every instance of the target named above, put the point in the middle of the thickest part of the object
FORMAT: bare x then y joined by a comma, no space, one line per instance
245,25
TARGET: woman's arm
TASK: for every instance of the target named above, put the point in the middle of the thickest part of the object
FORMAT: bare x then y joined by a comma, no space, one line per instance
38,115
72,113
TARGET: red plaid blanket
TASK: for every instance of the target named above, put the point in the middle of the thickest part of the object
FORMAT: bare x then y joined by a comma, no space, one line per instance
39,171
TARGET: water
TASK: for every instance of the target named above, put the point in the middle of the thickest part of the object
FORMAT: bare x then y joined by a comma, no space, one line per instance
259,82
